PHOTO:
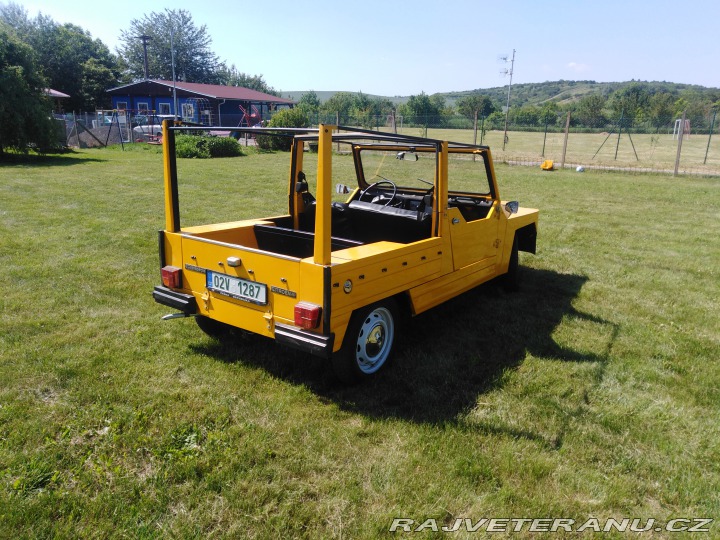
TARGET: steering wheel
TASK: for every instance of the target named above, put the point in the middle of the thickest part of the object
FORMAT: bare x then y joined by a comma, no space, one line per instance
383,181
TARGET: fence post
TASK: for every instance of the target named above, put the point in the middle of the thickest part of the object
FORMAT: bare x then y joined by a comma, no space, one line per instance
712,126
567,130
475,133
620,126
680,139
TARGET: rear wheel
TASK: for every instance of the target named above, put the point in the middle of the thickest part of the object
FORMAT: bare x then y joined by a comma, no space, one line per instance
213,328
368,342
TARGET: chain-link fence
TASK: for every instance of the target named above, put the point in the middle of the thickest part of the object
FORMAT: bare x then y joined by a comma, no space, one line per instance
689,144
684,144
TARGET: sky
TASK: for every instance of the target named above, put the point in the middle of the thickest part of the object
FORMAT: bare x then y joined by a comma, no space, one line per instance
393,48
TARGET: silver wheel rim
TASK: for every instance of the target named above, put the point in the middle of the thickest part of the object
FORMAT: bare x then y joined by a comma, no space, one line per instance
374,341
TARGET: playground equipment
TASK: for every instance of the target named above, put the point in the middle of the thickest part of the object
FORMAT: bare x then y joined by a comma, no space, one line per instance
250,117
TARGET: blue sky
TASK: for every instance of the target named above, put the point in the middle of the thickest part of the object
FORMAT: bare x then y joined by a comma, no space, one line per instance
403,48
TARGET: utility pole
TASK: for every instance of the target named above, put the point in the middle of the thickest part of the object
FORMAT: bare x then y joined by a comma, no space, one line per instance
507,107
172,60
145,39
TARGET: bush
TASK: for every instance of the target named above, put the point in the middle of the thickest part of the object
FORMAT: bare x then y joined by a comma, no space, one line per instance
223,147
202,147
294,118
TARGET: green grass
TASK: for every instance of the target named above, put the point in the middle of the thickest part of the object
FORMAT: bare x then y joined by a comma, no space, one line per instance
593,391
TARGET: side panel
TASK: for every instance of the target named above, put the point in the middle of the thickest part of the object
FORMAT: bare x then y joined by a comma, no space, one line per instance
366,274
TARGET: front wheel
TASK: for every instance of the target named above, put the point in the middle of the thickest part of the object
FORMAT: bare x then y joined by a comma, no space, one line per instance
368,342
511,280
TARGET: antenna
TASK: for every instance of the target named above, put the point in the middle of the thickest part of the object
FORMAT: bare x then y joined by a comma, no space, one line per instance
507,107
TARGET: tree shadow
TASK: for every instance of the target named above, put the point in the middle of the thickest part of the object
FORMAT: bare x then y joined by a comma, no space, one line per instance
446,357
64,159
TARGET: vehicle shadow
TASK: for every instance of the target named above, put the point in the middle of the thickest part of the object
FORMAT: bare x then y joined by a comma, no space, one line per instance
446,357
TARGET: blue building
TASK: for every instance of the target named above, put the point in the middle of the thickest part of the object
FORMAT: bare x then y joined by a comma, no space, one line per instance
207,104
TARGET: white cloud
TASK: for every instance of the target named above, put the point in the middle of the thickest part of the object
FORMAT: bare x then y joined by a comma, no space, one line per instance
578,68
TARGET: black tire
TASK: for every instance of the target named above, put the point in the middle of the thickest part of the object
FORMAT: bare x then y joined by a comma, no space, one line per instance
214,329
511,280
369,342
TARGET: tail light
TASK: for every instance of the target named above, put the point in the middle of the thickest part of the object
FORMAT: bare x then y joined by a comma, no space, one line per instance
171,276
307,315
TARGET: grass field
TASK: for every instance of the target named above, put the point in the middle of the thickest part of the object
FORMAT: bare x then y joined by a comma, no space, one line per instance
592,392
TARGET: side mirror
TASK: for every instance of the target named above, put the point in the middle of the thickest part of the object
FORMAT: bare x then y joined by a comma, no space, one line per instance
512,207
302,185
407,156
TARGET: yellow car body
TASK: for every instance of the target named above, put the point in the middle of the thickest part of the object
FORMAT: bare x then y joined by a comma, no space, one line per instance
332,277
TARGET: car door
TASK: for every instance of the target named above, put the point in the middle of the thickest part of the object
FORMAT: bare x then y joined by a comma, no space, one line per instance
472,211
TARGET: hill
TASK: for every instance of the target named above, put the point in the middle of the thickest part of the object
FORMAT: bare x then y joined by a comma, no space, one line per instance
536,93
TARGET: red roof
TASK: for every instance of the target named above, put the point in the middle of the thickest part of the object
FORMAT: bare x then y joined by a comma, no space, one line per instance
217,91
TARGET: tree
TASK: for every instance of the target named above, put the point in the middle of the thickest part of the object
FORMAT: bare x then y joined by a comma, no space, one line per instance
661,109
341,104
423,106
475,103
367,111
232,77
630,102
24,108
71,60
589,111
194,61
309,103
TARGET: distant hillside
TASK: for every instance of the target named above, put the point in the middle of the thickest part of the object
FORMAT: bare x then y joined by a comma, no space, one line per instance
324,95
534,93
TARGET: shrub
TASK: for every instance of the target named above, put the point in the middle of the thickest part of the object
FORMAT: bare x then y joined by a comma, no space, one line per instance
294,118
223,147
202,147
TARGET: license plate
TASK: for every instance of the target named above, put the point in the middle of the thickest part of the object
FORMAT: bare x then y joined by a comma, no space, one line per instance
234,287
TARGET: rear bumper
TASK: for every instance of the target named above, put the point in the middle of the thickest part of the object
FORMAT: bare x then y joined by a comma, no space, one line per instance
290,336
167,297
315,344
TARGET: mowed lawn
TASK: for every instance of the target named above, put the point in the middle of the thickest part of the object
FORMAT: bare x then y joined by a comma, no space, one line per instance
594,391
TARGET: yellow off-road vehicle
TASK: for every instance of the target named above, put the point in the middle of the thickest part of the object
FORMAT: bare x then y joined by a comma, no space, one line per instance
421,223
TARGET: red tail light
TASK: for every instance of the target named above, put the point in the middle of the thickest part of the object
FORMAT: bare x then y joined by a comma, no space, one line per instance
171,276
307,315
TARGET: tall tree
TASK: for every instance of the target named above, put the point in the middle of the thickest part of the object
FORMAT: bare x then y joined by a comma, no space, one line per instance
630,102
341,103
71,60
24,108
423,106
475,103
589,110
309,103
230,76
194,60
661,109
